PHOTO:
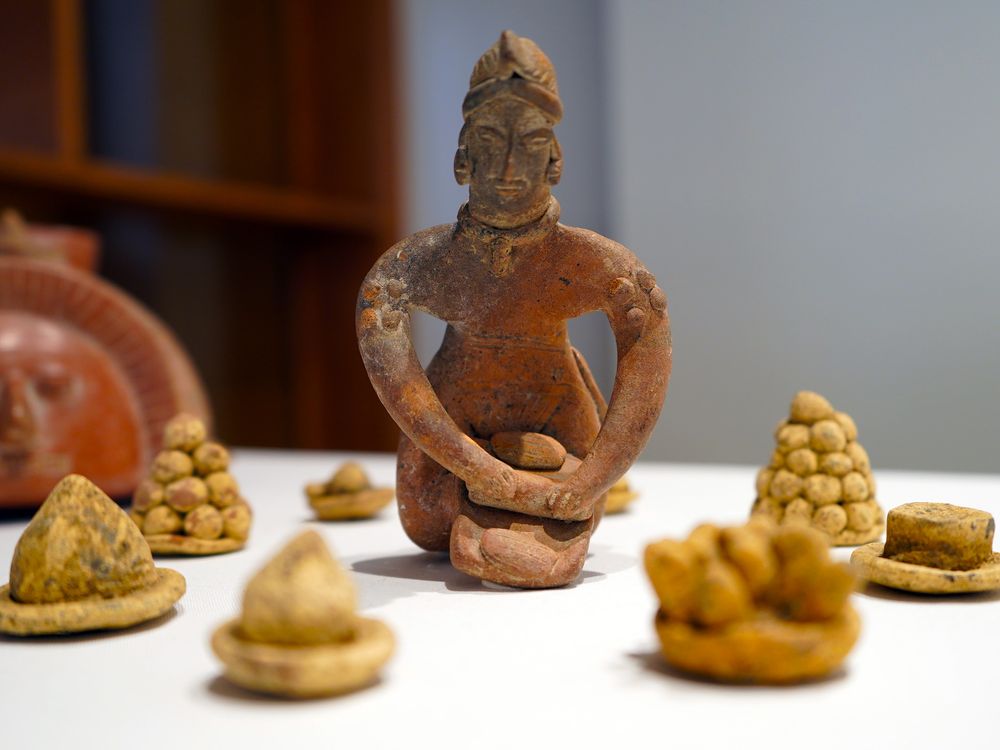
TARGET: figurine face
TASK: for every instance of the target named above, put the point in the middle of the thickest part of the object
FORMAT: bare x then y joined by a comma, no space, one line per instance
64,407
509,146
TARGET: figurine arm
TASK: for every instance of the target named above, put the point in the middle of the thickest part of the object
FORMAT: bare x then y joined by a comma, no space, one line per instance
384,337
637,311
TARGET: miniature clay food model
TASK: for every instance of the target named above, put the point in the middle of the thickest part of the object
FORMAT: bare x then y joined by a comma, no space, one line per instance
347,494
820,475
757,603
190,504
81,564
299,634
933,548
619,496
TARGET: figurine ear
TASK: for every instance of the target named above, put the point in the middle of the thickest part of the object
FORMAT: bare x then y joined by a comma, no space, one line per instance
553,173
462,167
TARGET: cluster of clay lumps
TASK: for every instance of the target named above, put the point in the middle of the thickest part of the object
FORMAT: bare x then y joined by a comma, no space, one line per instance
189,490
721,576
819,473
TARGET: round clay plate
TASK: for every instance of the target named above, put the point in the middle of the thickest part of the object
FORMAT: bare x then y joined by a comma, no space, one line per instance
97,613
363,504
848,538
304,671
869,564
178,544
764,650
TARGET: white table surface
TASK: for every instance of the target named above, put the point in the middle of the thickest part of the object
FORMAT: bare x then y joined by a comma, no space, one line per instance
483,667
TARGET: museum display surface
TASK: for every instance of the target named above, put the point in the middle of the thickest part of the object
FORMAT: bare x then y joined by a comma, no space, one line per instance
506,278
465,649
190,504
933,548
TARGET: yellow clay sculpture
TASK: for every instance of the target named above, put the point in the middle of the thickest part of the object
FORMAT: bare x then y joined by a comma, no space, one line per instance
819,475
757,603
299,634
190,504
348,494
81,564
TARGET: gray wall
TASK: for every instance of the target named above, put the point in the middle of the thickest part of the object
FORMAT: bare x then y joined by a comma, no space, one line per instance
816,186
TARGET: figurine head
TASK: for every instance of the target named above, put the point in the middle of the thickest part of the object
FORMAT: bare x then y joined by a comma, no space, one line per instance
65,406
507,151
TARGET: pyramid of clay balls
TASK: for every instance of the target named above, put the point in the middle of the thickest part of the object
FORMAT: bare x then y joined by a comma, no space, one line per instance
190,503
820,474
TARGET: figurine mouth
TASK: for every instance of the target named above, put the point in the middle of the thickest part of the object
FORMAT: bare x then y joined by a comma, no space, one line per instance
509,189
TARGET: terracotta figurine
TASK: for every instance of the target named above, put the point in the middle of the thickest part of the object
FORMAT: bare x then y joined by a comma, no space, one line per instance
88,378
506,277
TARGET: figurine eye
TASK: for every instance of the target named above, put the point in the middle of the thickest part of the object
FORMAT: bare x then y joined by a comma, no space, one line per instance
53,384
489,134
537,139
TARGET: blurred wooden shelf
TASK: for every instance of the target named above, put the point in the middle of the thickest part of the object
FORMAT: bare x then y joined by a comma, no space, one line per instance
224,199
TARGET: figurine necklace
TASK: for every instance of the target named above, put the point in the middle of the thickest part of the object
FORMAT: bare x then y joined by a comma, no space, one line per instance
497,245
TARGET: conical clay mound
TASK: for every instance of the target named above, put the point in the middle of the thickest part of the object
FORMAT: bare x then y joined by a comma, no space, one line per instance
303,596
190,504
820,475
79,544
81,564
300,634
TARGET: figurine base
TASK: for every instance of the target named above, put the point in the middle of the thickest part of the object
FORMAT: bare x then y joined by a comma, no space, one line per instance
869,564
848,538
767,650
178,544
351,505
95,613
304,671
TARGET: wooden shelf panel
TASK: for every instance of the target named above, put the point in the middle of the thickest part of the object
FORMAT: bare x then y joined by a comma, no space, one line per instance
228,200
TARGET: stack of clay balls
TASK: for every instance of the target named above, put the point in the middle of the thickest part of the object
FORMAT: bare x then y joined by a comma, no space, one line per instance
190,503
820,474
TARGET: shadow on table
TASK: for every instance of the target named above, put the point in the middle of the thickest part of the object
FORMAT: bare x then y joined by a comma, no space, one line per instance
876,591
412,573
94,635
652,661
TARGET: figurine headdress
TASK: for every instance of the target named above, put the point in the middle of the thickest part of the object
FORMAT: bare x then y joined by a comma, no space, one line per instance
514,66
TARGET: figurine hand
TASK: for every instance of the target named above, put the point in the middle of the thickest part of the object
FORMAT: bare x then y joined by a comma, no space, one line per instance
569,503
493,488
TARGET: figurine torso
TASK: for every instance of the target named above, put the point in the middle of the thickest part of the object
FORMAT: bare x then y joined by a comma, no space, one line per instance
506,362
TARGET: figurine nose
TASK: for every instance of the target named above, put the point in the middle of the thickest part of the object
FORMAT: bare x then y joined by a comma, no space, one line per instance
17,422
509,163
